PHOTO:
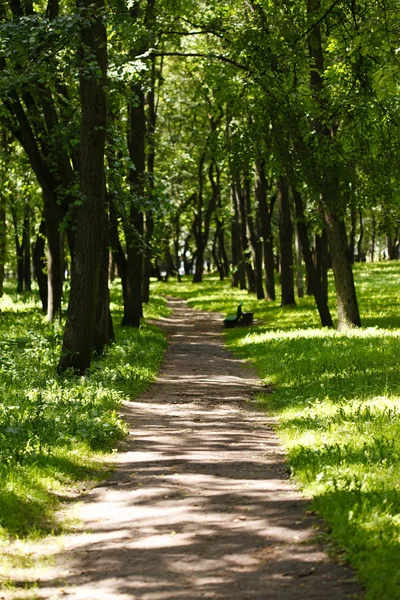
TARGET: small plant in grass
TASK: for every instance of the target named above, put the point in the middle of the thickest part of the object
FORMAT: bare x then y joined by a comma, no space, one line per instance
337,399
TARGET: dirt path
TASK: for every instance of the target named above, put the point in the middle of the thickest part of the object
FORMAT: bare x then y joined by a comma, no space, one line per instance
200,505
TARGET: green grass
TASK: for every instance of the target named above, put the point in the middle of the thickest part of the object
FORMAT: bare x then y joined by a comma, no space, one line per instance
337,400
58,432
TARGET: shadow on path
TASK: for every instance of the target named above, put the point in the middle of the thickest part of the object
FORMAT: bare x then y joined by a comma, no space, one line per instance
200,505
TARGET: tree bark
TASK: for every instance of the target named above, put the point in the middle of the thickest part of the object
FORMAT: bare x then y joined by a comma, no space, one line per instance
286,244
26,245
246,250
39,263
238,274
373,236
133,301
322,260
299,265
19,252
319,295
79,328
149,229
331,199
265,211
360,255
255,242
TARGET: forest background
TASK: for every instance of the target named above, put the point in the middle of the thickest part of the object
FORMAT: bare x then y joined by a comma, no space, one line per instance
255,139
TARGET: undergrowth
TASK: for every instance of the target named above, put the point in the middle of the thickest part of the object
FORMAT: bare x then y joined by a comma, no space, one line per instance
337,399
56,431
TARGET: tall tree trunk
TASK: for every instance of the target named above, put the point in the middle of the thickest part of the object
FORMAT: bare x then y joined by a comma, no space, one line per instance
79,329
54,260
286,243
299,265
19,252
39,263
318,292
238,274
26,245
255,243
197,227
373,236
332,202
133,301
218,263
103,330
241,202
149,229
115,243
322,260
393,245
360,254
265,211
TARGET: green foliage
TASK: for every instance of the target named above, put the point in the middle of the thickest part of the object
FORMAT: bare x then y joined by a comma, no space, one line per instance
51,425
336,397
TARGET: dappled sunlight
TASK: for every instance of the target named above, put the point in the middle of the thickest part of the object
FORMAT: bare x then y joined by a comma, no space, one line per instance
200,505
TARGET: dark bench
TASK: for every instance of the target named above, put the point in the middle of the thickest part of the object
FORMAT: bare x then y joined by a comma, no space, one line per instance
240,318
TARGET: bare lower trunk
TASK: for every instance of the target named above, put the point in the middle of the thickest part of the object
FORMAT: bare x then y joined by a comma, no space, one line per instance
320,299
255,243
238,274
26,245
299,266
322,260
265,210
39,263
286,243
90,235
348,313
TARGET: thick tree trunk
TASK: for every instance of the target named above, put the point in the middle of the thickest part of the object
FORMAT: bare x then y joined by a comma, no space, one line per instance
116,247
238,274
103,330
322,260
393,246
133,301
331,200
218,263
299,265
19,252
286,244
348,313
26,245
255,243
241,202
373,236
149,230
265,212
79,328
152,119
39,263
319,295
360,254
54,261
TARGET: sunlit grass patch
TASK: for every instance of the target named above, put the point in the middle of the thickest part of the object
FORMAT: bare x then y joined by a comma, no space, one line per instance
336,397
55,430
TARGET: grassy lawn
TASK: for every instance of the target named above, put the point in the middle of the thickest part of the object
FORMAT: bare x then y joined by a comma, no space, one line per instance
337,400
57,433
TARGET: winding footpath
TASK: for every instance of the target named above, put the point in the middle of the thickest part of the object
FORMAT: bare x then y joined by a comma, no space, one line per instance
200,505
